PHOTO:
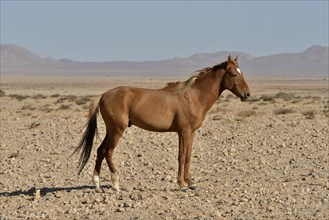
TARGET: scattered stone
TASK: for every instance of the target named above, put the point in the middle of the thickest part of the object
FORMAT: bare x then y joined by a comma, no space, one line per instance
34,124
121,209
261,167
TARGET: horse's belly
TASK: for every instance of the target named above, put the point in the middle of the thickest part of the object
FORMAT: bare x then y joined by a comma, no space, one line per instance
153,122
153,117
153,111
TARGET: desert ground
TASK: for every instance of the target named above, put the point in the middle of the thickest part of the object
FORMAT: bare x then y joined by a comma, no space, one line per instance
263,158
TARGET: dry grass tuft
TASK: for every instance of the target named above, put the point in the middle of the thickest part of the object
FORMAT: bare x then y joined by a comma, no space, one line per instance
19,97
228,97
46,108
70,98
28,107
326,110
39,96
83,100
253,99
283,111
310,114
66,98
313,98
316,98
246,113
2,93
267,98
64,107
55,95
285,96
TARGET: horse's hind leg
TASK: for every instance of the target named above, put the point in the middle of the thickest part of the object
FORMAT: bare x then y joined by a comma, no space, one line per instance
100,156
113,141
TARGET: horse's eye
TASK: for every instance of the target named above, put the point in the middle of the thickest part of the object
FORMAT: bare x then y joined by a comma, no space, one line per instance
233,74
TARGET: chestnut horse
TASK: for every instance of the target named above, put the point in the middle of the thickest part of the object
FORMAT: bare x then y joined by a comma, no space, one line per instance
179,107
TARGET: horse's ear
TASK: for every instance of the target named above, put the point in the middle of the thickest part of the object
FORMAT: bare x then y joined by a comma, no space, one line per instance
236,59
229,59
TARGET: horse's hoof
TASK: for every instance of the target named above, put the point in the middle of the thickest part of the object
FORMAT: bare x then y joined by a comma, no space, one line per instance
193,187
99,190
184,189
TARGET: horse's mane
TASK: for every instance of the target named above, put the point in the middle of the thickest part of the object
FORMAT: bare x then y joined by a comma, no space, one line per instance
181,87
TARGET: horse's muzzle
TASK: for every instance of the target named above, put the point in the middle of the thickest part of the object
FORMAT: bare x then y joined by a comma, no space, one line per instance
245,96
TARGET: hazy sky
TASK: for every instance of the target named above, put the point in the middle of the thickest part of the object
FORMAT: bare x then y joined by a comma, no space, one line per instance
145,30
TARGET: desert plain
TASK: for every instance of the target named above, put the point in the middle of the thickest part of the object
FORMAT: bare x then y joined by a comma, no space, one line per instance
266,158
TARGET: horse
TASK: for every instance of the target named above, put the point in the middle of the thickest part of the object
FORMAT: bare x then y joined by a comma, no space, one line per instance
179,107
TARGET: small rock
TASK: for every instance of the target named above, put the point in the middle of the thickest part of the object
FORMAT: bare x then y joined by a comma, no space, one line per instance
168,178
35,124
98,200
134,197
120,210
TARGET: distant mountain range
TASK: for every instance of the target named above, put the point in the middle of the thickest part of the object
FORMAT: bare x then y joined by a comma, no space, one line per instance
313,62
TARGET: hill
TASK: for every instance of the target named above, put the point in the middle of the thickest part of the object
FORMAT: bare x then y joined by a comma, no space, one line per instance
16,60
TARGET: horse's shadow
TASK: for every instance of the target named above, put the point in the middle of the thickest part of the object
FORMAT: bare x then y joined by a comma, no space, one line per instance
45,190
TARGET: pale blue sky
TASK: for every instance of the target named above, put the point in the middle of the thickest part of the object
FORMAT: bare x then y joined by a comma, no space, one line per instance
145,30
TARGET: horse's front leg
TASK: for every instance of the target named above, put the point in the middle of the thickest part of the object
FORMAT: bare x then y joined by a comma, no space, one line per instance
187,175
183,147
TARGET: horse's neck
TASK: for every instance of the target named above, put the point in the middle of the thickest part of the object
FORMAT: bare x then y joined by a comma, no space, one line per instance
208,89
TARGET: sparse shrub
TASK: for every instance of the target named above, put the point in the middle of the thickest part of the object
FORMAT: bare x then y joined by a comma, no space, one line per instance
267,98
46,108
214,109
247,113
19,97
28,107
310,114
82,100
2,93
253,99
39,96
296,101
55,95
60,100
283,111
64,107
308,97
316,98
70,98
312,99
229,97
326,112
285,96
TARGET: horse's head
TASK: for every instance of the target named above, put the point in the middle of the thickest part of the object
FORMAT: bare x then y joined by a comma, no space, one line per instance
234,81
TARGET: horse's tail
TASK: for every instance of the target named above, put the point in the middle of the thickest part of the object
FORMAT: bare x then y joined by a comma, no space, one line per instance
87,139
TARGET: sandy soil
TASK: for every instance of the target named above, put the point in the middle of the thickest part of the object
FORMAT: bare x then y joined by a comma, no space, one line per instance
265,158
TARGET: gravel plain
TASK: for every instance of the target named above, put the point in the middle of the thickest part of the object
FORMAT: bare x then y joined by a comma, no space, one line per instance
266,158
